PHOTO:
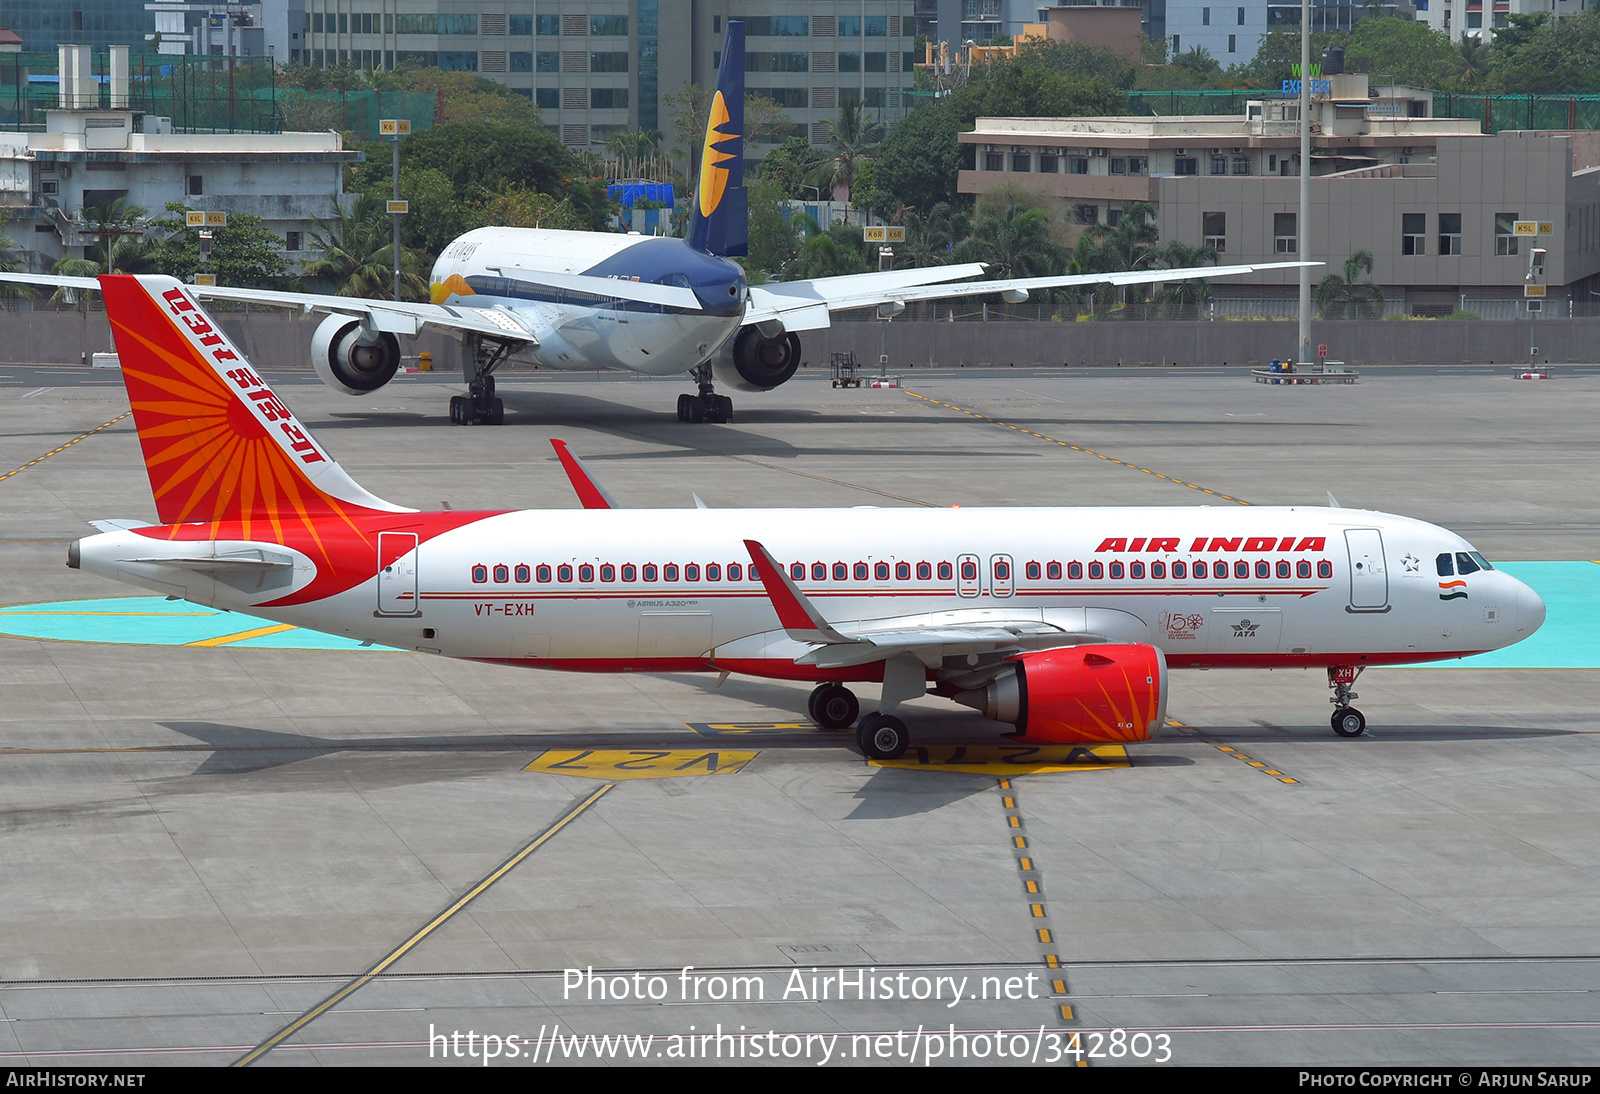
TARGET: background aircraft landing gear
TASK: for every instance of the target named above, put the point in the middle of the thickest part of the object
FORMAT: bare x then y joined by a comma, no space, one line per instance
707,406
479,404
833,706
882,737
1347,721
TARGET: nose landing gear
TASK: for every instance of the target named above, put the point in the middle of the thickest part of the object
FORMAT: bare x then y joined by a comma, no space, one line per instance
1347,721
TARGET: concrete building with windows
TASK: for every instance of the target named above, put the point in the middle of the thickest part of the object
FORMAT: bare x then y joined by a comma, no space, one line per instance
1432,199
600,67
89,155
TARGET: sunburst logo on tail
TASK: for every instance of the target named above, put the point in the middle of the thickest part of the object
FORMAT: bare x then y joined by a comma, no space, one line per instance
713,176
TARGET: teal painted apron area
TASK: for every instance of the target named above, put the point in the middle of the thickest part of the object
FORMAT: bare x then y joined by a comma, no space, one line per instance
156,621
1570,637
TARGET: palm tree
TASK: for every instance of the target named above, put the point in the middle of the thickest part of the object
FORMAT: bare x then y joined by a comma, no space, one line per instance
1345,297
1016,242
1470,59
358,255
931,239
1104,249
118,227
11,262
1181,299
855,137
630,148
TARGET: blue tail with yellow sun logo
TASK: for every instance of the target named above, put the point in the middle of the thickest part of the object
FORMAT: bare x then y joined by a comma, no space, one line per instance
719,222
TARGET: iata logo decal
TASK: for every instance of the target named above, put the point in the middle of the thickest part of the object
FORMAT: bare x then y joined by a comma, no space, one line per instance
1452,590
1245,629
1181,626
713,176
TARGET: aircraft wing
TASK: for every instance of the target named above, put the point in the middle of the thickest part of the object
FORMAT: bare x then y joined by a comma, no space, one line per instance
399,317
806,305
930,637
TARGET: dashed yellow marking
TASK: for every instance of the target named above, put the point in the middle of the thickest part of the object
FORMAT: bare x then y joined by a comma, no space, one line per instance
225,639
1058,986
64,447
1019,841
1032,886
1025,863
1036,910
1019,759
639,763
1045,936
1080,448
1236,754
1051,961
1015,822
1009,803
1066,1013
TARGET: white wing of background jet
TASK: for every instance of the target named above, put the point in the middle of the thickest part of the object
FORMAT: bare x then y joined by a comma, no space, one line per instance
404,318
806,305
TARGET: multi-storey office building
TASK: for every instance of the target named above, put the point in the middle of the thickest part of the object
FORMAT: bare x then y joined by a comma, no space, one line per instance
600,67
1432,199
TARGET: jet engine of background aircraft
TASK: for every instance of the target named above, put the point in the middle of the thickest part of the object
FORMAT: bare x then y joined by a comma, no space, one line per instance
352,359
1089,694
750,361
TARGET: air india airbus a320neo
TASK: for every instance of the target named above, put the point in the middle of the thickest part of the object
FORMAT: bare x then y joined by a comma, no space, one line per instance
1062,623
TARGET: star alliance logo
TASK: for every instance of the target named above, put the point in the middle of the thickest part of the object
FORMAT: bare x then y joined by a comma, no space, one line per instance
1245,629
1412,563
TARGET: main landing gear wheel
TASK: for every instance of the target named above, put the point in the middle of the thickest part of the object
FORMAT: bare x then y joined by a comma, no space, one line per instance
833,706
882,737
479,404
1349,722
707,406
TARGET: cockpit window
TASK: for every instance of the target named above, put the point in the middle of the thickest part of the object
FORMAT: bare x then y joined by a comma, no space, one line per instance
1481,561
1447,566
1465,565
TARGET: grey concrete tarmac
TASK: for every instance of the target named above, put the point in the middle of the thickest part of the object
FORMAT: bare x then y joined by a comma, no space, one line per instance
200,846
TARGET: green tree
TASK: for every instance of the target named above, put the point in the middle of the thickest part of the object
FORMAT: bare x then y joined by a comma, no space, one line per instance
1014,239
117,227
1403,49
519,207
931,239
789,164
358,255
1470,62
855,137
1198,59
11,262
774,234
244,253
1347,298
918,163
438,211
1180,299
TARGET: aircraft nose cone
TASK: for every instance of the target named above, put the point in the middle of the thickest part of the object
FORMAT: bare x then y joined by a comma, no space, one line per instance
1530,611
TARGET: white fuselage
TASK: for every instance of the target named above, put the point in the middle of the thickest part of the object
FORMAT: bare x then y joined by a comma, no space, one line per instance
575,331
619,590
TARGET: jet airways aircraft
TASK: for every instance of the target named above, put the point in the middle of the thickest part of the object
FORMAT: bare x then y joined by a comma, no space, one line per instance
660,306
1061,622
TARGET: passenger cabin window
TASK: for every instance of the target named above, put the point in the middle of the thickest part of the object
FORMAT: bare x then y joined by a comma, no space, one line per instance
713,572
630,572
523,575
502,575
563,572
1158,569
1302,569
1002,571
1096,571
669,572
736,572
1052,570
819,571
797,571
1447,565
1180,570
861,571
1075,571
1032,571
543,573
902,571
1136,569
649,571
880,571
1241,569
1199,569
608,572
1263,569
1116,570
691,572
924,571
1283,569
480,574
586,573
969,571
841,572
1324,568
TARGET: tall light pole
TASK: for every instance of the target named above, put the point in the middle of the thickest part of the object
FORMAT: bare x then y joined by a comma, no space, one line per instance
1303,349
394,129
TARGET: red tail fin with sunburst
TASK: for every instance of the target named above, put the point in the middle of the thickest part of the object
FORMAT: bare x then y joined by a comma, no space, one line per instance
218,444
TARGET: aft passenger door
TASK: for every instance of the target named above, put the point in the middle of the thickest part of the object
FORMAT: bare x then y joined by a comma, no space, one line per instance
397,574
1369,581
